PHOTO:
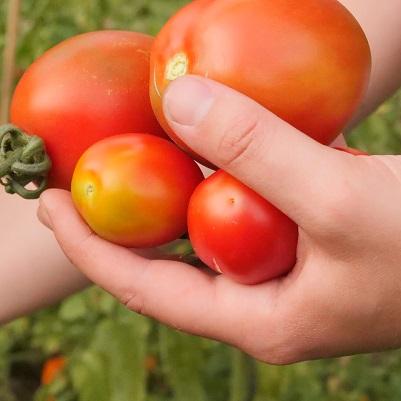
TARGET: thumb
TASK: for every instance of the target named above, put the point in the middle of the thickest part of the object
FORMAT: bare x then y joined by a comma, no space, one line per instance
237,134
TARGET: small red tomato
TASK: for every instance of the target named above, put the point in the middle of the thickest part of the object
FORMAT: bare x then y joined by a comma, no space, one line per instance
134,189
307,61
238,233
86,88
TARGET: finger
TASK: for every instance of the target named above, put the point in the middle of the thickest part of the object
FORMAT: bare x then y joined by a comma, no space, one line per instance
171,292
237,134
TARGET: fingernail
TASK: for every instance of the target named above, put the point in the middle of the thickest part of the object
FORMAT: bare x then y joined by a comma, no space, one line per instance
187,101
43,214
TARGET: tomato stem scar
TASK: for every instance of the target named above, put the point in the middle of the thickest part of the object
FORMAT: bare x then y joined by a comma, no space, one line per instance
177,66
23,160
89,189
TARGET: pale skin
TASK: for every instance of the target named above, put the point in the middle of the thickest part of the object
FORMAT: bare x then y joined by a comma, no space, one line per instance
343,295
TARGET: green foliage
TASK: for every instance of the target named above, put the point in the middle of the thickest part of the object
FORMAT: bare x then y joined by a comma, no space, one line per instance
44,23
112,366
243,377
114,355
381,132
182,358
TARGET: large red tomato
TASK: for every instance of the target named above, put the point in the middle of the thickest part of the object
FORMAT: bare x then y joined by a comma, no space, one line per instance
308,61
84,89
238,233
134,189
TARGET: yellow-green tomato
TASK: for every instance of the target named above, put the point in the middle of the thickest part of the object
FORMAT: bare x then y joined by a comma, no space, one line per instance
134,189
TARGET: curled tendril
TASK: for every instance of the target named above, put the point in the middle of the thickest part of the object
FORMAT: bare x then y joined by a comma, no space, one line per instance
23,160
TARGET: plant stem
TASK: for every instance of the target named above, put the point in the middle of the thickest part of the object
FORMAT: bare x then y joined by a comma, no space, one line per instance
243,377
9,58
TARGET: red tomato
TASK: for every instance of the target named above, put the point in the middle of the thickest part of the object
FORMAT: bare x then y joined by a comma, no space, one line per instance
85,89
352,151
308,61
134,189
238,233
51,369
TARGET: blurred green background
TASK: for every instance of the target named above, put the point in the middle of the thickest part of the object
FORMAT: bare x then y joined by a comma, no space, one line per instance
114,355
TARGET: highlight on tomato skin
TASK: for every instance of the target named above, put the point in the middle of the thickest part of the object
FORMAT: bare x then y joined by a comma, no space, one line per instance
134,189
238,233
307,61
82,90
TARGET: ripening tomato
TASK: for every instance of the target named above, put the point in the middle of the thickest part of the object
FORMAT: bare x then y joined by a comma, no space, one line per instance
238,233
134,189
308,61
85,89
52,368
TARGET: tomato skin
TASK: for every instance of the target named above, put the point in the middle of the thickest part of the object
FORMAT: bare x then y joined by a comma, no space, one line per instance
238,233
134,189
84,89
307,61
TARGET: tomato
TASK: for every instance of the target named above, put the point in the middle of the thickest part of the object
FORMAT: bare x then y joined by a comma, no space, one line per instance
85,89
238,233
134,189
352,151
308,61
51,369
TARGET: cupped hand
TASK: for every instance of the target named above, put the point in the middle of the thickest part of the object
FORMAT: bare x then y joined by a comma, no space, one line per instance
342,297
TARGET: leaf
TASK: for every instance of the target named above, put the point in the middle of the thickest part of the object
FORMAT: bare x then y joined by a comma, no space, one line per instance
73,308
381,132
90,377
182,359
113,368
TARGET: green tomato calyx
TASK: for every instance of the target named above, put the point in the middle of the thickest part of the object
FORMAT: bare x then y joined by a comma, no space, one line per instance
23,161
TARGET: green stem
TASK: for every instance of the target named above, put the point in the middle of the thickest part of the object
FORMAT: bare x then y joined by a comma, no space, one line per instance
23,161
10,46
243,377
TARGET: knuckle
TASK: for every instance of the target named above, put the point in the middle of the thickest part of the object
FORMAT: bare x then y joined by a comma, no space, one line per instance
239,141
134,301
133,297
